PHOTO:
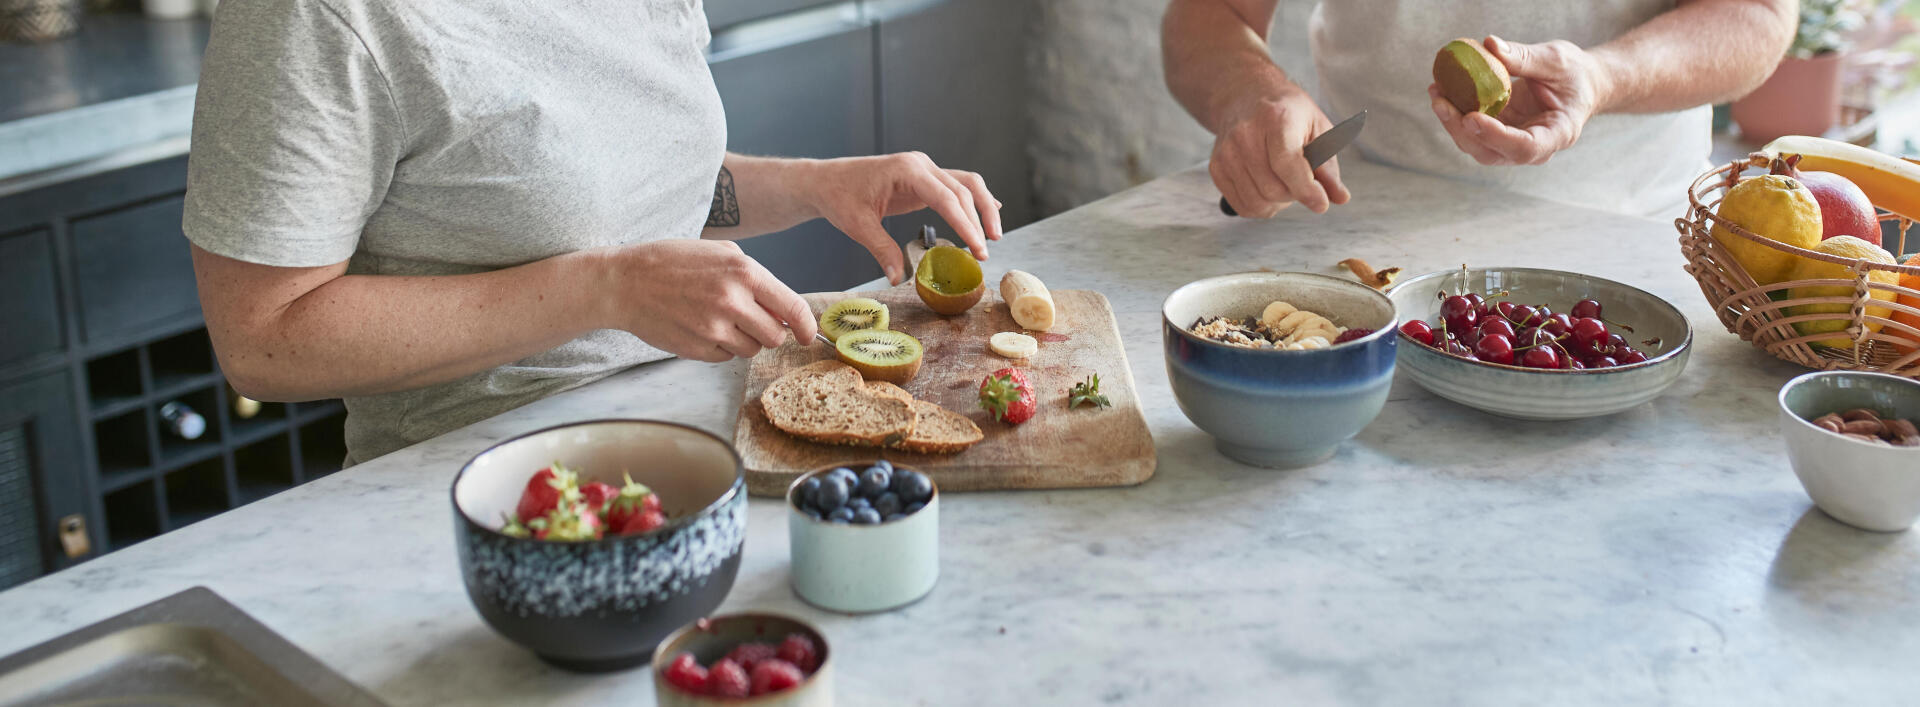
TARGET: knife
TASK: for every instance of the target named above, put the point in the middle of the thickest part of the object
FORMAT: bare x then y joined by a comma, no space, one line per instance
1323,148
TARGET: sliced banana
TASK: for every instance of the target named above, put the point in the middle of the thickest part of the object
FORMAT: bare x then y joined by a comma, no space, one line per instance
1276,312
1027,300
1013,344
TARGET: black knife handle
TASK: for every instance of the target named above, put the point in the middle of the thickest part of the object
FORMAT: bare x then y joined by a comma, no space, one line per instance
1227,208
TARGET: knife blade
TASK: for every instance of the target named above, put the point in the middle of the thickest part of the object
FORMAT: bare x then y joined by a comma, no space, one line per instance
1322,148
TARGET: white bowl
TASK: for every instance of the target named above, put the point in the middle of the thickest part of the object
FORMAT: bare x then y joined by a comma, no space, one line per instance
857,569
1532,393
1865,485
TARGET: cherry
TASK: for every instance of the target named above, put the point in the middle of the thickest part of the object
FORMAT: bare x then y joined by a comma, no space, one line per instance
1558,325
1523,315
1418,331
1455,348
1479,303
1494,348
1616,342
1602,361
1455,307
1531,336
1505,309
1540,357
1630,356
1574,364
1496,326
1589,332
1587,309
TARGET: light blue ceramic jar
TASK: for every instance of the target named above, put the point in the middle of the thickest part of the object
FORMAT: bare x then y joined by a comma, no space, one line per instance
1279,409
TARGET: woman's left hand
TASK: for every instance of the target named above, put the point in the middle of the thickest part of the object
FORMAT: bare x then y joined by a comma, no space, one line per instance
855,193
1557,88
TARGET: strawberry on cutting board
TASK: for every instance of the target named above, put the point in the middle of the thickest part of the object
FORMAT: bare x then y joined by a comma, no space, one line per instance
1008,396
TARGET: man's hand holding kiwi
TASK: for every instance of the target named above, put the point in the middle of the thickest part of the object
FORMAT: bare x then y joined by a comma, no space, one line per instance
1555,88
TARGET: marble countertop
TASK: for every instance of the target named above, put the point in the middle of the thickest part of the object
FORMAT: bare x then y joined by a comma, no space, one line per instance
1664,555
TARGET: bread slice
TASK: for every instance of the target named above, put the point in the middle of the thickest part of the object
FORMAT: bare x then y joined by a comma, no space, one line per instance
827,402
936,430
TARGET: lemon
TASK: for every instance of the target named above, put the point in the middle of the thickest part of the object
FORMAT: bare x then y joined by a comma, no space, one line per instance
1772,206
1806,269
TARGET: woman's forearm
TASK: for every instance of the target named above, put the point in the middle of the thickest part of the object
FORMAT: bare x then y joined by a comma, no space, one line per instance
759,195
368,334
1702,52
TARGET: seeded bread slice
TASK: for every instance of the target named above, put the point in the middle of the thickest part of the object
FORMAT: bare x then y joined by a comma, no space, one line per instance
937,430
827,402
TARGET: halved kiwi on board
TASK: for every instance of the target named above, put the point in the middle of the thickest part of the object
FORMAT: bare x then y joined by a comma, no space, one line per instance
881,355
949,280
850,315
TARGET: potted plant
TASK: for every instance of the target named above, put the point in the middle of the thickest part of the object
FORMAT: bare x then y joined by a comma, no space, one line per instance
1802,97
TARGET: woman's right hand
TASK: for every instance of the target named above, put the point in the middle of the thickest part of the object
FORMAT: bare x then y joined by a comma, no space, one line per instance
703,300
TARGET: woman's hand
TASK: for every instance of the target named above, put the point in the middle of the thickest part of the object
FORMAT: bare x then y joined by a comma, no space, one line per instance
1557,88
855,193
703,300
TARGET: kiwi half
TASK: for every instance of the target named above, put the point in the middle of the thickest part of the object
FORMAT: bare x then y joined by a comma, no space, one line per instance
949,280
1472,78
881,355
850,315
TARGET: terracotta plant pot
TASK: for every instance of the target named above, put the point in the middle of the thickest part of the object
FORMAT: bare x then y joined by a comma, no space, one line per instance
1802,97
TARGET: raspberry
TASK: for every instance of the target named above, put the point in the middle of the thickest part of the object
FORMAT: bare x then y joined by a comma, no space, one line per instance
746,654
774,675
727,679
1351,334
799,650
685,673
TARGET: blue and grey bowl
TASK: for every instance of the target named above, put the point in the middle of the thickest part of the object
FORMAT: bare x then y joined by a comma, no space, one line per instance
1279,409
603,605
1532,393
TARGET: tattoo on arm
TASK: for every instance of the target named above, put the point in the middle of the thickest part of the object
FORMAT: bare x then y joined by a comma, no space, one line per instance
726,206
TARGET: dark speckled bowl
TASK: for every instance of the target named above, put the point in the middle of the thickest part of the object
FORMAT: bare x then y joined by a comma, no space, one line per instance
1279,409
603,605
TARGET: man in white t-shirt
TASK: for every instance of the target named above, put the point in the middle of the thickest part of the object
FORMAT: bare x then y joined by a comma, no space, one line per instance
1609,109
443,209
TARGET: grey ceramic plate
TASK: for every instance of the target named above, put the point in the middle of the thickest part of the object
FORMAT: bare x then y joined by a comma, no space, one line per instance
1533,394
192,648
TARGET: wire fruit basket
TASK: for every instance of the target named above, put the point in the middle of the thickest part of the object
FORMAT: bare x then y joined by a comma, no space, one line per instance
1884,332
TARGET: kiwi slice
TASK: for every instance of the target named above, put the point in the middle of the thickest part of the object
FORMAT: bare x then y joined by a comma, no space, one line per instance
949,280
881,355
1472,78
852,314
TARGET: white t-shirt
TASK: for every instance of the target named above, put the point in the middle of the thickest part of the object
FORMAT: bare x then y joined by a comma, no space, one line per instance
438,137
1377,55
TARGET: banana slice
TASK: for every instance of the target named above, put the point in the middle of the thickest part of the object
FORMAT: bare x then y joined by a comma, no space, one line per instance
1013,344
1027,300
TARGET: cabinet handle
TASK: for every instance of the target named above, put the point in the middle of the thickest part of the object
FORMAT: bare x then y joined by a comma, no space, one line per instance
73,536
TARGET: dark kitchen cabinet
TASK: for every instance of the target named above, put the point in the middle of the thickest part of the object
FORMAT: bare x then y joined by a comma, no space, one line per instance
43,476
945,77
813,98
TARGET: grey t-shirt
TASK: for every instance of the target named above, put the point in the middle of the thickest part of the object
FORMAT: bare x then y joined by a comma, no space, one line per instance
441,137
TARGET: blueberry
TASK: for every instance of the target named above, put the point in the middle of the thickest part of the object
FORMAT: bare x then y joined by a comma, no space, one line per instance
846,475
914,487
873,481
814,514
866,516
887,504
884,464
857,503
832,494
914,507
804,495
896,516
842,514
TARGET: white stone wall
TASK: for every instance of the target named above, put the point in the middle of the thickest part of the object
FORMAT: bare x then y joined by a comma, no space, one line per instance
1101,117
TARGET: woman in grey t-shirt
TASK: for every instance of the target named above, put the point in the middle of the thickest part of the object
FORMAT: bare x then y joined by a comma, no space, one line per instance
443,209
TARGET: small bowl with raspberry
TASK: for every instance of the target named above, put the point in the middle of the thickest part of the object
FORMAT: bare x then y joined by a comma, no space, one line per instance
589,542
863,538
759,659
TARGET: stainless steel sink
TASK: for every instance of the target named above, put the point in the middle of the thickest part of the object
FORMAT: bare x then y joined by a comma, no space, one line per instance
192,648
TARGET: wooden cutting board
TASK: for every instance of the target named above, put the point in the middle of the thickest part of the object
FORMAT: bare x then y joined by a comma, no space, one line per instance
1058,448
